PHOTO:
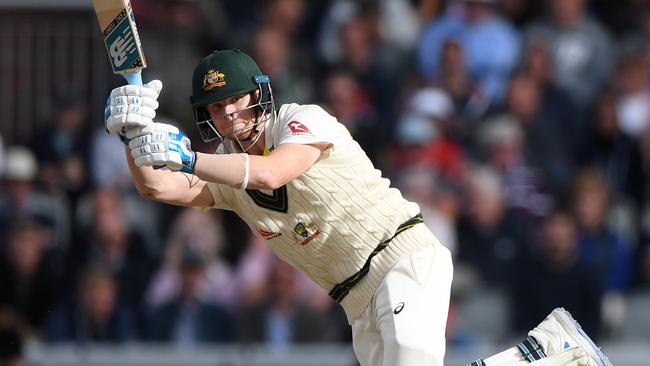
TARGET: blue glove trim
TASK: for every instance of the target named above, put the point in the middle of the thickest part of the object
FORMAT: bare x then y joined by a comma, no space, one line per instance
124,139
188,157
189,168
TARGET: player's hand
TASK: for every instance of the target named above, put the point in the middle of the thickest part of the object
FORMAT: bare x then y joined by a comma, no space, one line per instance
132,106
161,144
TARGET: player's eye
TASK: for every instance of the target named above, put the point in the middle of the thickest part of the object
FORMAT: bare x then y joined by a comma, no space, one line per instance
215,107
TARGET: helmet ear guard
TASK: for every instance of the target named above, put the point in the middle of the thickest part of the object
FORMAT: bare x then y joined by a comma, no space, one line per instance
205,125
266,93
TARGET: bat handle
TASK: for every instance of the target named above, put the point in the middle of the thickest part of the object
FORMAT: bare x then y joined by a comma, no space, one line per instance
133,78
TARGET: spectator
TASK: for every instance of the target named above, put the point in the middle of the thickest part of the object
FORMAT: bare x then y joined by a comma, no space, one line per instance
549,133
188,319
399,25
346,100
95,314
487,239
633,102
201,232
424,134
275,53
555,277
108,166
491,45
376,67
21,197
470,101
281,318
602,245
599,245
614,154
524,186
286,17
555,103
29,276
581,49
330,48
61,147
438,199
108,242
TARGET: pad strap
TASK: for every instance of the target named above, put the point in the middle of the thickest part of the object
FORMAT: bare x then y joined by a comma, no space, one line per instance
530,349
478,362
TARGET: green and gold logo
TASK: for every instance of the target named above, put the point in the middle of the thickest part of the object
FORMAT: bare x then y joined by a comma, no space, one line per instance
213,79
305,233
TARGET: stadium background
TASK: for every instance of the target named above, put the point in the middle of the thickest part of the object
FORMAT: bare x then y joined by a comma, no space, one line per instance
521,127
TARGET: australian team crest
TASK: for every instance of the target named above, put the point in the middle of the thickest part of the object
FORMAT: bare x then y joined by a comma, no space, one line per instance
305,233
213,79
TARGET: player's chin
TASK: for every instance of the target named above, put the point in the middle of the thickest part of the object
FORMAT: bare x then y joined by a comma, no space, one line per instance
244,134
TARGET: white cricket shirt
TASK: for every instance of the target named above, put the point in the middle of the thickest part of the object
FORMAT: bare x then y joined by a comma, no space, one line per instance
327,221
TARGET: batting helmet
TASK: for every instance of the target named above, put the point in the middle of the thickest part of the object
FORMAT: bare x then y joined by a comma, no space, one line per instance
223,74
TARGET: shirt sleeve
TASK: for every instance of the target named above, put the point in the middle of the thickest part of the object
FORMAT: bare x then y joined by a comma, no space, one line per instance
310,124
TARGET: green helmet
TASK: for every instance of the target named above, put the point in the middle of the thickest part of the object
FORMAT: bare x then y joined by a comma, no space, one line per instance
223,74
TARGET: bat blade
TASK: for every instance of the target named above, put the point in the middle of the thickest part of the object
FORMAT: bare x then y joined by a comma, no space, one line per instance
117,23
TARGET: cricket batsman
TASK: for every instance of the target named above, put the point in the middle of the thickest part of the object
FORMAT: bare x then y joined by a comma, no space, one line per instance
300,182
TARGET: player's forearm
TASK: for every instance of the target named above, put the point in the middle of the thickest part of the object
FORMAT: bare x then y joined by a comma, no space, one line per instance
228,169
260,172
147,180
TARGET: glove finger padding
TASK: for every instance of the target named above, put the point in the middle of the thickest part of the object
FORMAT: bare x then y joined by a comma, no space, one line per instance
122,111
149,90
132,100
161,144
153,130
132,106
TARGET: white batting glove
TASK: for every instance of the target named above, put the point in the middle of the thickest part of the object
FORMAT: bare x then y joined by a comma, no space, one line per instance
132,106
161,144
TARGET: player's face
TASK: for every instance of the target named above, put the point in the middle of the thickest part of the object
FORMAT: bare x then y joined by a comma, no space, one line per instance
232,117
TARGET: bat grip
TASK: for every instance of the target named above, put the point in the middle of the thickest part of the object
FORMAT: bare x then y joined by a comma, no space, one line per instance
133,78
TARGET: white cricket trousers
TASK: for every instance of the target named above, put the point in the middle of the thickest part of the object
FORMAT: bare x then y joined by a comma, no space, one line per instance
404,325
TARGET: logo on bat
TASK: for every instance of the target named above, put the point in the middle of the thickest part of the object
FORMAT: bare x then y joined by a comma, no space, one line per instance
213,79
122,47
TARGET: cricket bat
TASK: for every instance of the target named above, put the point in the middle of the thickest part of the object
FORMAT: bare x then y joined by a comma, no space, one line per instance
117,23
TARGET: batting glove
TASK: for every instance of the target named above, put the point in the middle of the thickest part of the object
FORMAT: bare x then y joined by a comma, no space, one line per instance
132,106
161,144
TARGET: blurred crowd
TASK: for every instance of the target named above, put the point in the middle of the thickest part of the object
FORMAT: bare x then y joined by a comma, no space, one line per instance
521,127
